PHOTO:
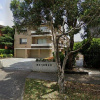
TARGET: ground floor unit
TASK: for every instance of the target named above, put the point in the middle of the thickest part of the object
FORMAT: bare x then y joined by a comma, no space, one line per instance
33,53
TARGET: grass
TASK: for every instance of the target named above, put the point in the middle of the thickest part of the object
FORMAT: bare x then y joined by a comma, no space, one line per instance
46,90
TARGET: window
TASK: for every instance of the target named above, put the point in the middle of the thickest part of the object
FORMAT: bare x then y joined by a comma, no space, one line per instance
23,41
41,41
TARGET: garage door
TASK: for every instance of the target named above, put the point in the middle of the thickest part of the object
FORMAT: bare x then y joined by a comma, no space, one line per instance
34,54
45,53
40,53
20,53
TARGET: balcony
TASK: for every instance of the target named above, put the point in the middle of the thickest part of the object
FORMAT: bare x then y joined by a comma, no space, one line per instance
39,46
41,35
42,32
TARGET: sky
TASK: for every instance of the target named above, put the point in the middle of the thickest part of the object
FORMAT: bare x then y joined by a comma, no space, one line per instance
6,16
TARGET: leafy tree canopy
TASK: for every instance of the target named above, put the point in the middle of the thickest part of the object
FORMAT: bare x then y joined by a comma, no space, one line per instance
34,12
8,36
72,13
8,30
6,40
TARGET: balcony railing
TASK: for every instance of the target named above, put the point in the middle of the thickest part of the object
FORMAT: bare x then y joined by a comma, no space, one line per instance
47,44
41,32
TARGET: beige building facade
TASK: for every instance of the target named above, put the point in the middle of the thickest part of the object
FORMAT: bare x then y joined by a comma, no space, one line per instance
31,43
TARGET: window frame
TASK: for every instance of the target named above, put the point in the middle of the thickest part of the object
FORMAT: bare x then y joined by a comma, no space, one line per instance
42,41
21,42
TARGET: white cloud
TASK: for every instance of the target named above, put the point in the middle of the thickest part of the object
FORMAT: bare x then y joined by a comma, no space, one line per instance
1,23
1,7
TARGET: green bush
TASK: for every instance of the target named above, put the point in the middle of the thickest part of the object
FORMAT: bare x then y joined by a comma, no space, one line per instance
91,53
4,55
61,57
9,55
6,51
1,55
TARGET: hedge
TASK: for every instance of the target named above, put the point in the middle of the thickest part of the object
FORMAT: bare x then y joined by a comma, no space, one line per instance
6,51
91,53
6,55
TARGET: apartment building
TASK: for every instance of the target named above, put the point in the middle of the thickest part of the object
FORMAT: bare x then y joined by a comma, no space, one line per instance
32,43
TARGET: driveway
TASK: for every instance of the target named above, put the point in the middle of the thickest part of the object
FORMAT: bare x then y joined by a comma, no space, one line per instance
12,84
12,77
18,63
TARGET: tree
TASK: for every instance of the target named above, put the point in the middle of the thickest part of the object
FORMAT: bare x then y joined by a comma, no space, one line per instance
72,13
6,40
9,31
8,36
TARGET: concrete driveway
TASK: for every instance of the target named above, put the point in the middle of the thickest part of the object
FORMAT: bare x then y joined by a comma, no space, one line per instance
12,77
18,63
12,84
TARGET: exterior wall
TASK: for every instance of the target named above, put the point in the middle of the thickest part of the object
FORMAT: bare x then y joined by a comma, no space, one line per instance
26,35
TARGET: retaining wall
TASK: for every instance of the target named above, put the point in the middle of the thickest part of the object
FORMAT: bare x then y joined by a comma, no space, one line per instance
1,64
45,67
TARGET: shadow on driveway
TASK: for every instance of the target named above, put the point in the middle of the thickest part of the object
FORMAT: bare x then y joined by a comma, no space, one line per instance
12,84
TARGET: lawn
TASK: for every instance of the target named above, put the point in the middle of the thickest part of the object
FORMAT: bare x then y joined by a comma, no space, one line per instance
46,90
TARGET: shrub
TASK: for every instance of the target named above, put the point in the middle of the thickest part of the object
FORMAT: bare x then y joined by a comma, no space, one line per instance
9,55
37,60
1,55
91,53
4,55
61,57
6,51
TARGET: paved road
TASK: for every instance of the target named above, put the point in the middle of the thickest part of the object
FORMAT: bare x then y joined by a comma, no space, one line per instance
12,84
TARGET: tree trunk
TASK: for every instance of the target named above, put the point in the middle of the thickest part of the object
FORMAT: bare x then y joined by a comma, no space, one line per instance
61,77
60,69
61,82
71,42
70,61
70,57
